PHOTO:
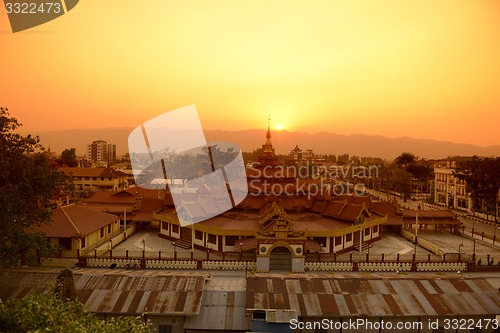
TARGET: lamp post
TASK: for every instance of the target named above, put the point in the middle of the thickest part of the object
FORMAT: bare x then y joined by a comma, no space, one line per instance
495,235
474,251
459,253
241,258
175,253
473,228
416,234
143,248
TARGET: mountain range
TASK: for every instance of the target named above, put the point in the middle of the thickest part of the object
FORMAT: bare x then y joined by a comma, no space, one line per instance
283,141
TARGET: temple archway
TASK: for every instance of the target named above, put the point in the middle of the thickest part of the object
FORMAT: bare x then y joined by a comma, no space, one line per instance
280,259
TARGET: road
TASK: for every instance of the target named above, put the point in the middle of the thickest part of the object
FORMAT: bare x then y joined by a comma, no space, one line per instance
490,231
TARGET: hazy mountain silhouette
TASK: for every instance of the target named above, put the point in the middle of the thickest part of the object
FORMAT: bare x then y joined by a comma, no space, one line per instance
283,141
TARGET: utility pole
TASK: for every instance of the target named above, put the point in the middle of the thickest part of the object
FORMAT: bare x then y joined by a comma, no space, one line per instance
416,233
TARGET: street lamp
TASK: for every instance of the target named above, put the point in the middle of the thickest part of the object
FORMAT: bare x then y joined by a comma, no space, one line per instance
416,234
143,248
175,254
495,235
459,253
474,251
241,258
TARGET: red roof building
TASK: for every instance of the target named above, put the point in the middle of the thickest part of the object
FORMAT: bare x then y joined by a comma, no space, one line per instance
286,214
77,229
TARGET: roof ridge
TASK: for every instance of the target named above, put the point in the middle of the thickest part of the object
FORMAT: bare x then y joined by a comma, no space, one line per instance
71,221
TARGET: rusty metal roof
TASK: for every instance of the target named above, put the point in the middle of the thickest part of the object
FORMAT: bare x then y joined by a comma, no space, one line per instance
223,306
16,284
220,310
117,291
363,296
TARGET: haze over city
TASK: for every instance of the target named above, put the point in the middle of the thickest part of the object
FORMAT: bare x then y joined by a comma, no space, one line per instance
427,70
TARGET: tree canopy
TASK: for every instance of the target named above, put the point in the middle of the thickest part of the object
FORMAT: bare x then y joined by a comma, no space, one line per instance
482,180
48,313
27,182
68,157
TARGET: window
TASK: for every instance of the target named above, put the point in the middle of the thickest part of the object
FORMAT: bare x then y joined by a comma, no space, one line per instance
175,228
94,178
109,229
164,225
102,232
87,178
338,240
165,328
259,315
83,242
102,178
348,237
321,241
231,240
212,239
367,232
375,229
198,235
65,243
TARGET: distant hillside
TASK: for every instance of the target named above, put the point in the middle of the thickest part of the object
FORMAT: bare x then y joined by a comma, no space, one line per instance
284,141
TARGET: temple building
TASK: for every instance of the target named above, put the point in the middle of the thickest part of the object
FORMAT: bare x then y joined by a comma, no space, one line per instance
286,214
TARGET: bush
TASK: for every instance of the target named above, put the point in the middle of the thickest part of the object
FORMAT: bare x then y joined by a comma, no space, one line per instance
50,314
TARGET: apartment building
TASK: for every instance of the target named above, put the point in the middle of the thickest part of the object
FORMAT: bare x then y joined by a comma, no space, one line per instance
450,191
101,151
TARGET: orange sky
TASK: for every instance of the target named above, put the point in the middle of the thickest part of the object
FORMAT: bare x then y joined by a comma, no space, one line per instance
424,69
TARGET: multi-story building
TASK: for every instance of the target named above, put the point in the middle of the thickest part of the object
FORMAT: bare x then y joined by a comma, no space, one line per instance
97,179
101,151
285,215
450,191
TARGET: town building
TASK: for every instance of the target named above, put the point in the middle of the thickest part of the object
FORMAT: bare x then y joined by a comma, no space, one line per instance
286,214
449,191
134,205
96,179
75,230
180,302
101,152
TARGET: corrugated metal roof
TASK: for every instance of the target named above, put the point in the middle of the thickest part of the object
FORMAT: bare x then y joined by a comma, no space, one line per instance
220,310
117,292
121,293
223,306
397,296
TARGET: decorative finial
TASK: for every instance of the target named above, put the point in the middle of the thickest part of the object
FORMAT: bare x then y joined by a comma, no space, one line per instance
268,135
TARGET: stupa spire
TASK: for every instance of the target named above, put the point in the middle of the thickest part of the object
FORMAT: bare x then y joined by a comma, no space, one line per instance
268,135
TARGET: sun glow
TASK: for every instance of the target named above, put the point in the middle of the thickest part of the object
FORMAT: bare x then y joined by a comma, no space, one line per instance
279,127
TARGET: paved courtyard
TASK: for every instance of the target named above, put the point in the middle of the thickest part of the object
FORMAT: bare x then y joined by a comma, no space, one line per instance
390,245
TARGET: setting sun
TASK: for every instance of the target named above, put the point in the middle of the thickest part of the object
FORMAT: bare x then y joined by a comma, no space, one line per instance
280,127
349,67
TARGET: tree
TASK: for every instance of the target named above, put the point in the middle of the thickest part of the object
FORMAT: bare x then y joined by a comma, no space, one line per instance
27,181
68,157
400,181
343,159
483,182
405,159
48,313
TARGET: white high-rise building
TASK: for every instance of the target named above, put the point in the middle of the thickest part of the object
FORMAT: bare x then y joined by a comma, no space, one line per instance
101,151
